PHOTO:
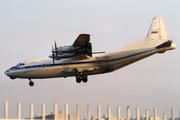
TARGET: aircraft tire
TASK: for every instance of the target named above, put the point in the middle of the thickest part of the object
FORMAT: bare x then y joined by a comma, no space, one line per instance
78,80
31,83
85,80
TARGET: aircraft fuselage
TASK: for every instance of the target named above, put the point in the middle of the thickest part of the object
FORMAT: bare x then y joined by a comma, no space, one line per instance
98,64
79,61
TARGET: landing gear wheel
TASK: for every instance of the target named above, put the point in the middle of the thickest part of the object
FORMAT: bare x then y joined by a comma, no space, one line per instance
78,80
85,80
31,83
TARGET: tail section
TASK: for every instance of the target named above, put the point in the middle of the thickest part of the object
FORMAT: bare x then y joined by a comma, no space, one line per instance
157,35
158,30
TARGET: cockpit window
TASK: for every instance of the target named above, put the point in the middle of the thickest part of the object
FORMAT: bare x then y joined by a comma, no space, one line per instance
21,64
18,65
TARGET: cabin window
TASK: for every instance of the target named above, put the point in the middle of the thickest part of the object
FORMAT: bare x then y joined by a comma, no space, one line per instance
43,65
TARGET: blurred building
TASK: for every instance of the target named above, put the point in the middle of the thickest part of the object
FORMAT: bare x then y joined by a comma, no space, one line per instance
64,115
60,116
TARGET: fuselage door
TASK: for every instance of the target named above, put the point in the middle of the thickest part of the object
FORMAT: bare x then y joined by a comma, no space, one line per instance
65,64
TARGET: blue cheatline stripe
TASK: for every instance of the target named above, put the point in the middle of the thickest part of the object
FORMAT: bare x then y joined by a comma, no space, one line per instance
75,63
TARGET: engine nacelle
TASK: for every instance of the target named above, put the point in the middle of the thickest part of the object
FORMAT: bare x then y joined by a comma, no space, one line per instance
65,55
66,49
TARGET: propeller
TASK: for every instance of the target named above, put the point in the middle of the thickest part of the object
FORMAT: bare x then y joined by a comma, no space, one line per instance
55,45
54,52
53,56
56,49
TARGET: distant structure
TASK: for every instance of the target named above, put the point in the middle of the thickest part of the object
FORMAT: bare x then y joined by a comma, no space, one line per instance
60,116
64,115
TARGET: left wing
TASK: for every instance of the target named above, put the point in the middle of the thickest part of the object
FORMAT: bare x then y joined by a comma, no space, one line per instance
84,44
81,47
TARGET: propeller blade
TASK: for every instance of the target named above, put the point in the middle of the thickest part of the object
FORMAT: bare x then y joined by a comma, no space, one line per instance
55,45
56,49
54,52
53,58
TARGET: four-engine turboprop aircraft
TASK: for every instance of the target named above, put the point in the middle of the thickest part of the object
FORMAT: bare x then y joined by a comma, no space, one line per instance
78,59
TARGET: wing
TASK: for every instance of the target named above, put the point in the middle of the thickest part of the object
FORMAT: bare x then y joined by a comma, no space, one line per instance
81,48
84,45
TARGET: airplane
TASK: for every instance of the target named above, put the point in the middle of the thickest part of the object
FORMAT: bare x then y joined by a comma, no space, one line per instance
79,61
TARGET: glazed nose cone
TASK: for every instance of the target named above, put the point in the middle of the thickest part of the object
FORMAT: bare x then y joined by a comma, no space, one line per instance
6,72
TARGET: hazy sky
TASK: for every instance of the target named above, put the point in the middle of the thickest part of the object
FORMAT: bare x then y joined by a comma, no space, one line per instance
28,29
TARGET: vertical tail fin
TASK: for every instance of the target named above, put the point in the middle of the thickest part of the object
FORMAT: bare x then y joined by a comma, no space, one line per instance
158,30
156,36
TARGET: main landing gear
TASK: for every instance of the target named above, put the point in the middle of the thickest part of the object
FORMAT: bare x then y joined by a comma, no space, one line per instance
81,78
31,83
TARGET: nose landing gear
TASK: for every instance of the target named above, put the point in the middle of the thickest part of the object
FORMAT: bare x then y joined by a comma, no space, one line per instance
31,83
